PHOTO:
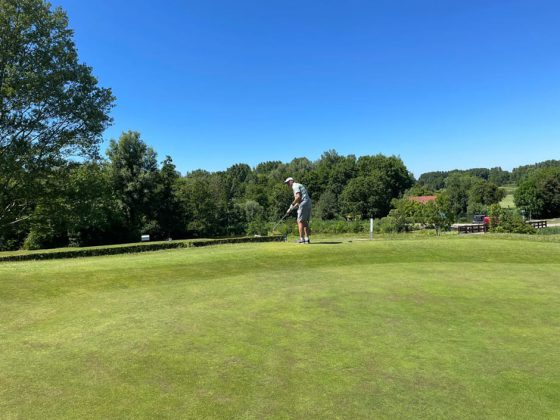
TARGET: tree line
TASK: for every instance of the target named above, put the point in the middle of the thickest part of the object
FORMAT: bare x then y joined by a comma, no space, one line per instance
472,191
436,180
130,193
57,190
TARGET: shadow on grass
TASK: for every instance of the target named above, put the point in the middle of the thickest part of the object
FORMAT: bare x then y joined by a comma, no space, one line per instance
326,243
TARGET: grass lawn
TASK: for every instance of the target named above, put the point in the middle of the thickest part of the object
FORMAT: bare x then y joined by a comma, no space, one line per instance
507,201
449,327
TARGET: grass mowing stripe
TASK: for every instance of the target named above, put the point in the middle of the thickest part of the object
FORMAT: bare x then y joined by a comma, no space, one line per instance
458,328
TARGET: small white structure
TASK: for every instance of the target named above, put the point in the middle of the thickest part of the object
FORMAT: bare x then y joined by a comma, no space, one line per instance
145,238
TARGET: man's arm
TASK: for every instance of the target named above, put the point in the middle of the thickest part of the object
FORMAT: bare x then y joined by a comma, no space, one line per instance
297,199
295,203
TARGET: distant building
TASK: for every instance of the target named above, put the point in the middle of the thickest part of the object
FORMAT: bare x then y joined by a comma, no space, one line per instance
423,199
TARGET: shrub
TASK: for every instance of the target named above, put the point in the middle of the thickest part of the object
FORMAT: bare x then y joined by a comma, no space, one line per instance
508,221
555,230
339,226
257,227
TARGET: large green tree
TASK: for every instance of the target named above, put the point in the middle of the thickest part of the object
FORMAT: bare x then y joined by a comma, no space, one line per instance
379,180
169,212
333,172
538,194
134,178
51,107
79,210
457,187
204,197
366,196
236,179
389,169
482,194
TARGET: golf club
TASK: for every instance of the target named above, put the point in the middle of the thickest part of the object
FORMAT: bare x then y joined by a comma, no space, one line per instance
292,208
280,221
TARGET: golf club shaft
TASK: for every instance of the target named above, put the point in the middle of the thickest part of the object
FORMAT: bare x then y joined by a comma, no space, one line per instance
279,221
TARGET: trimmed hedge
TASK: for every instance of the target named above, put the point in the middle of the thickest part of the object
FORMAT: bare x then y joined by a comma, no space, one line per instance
134,248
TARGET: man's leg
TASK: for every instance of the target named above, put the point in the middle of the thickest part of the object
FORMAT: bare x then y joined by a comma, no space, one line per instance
304,214
300,229
306,230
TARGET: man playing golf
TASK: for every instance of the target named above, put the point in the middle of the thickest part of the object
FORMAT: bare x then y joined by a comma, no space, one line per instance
302,202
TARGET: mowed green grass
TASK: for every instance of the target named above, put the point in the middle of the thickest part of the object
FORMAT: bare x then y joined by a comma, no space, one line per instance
507,201
452,327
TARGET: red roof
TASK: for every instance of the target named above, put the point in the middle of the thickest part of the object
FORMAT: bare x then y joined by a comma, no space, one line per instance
423,199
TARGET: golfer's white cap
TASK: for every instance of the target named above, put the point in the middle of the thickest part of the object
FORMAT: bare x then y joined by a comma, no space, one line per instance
288,180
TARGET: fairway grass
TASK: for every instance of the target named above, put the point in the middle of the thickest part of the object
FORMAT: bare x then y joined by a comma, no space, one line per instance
451,327
507,201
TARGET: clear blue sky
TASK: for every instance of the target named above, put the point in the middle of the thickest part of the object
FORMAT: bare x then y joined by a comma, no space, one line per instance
442,84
